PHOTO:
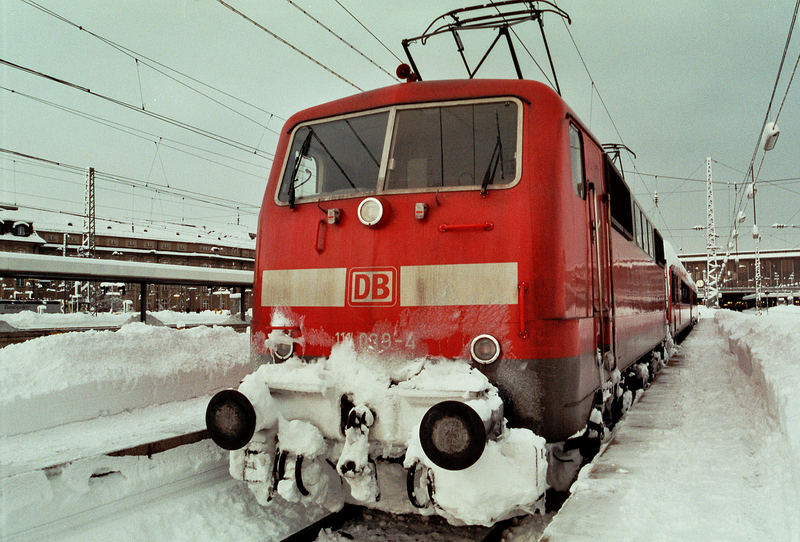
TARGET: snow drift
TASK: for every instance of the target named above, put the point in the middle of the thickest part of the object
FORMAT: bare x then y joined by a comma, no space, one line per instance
768,351
70,377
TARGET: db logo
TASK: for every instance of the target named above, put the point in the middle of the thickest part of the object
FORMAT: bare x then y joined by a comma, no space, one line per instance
372,286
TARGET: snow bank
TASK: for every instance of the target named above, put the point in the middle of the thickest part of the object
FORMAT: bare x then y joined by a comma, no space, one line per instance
768,351
76,376
193,318
183,494
33,320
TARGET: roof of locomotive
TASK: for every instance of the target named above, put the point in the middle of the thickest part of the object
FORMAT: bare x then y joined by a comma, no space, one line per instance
428,91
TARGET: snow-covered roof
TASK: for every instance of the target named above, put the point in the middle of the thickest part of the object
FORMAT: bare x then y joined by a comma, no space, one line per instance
229,235
32,238
22,264
673,259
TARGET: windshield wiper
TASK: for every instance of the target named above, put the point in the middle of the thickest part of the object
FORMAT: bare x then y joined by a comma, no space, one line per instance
303,152
494,160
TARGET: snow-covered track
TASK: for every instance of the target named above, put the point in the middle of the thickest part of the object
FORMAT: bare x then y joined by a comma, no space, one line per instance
363,524
331,521
51,527
162,445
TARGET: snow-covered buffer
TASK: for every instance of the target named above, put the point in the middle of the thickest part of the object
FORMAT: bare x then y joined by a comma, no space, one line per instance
767,348
422,435
71,377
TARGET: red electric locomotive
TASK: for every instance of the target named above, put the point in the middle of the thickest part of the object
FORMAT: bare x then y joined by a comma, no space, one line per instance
476,235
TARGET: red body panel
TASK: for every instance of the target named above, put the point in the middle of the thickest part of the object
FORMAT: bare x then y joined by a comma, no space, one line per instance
540,235
639,301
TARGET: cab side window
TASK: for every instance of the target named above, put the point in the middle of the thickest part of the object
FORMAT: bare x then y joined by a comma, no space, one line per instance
621,206
576,161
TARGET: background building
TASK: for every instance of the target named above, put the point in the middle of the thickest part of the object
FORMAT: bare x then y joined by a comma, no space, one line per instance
40,232
780,276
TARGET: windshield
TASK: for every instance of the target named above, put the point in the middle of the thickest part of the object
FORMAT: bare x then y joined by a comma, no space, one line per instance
471,145
341,156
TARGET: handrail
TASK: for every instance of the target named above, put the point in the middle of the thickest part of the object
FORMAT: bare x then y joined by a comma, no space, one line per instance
521,289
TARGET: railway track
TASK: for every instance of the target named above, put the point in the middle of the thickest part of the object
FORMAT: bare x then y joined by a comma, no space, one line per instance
356,523
53,527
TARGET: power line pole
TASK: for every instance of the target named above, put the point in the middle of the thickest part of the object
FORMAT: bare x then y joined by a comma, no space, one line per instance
89,217
751,193
87,249
712,278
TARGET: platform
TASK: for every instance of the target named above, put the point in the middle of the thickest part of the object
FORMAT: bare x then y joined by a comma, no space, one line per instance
697,458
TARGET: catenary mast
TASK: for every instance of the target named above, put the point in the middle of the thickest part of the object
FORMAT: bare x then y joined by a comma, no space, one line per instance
711,288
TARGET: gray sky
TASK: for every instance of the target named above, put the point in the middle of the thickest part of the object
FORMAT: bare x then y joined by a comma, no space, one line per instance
682,80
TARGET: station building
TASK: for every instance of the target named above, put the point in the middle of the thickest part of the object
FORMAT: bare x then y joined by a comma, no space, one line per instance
780,276
57,234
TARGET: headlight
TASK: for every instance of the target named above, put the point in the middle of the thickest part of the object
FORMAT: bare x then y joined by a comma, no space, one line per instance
283,351
370,211
484,349
452,435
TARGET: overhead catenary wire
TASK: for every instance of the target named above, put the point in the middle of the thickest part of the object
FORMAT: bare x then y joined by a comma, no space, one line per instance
108,207
788,85
131,181
196,216
144,59
185,125
751,173
326,27
605,107
591,79
291,46
697,191
356,19
166,225
611,118
136,132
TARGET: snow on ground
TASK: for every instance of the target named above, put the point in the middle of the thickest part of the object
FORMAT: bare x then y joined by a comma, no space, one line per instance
69,399
768,352
224,511
706,453
70,377
32,320
709,453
